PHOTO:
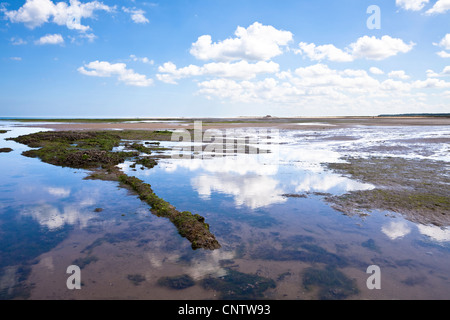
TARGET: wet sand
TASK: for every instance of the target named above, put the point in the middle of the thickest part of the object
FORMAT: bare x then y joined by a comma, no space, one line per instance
226,123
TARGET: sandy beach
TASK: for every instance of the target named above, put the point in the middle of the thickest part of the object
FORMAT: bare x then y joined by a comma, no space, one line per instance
322,123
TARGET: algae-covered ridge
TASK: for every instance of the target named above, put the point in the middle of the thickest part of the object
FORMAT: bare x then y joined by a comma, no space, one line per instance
419,189
94,151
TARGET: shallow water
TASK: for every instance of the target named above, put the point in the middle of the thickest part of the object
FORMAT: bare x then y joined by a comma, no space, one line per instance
48,221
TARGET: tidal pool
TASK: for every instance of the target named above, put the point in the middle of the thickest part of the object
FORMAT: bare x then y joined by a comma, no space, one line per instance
280,239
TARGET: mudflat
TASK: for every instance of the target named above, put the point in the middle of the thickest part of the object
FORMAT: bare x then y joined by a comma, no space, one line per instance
319,123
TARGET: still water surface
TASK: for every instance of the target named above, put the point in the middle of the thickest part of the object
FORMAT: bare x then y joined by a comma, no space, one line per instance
48,221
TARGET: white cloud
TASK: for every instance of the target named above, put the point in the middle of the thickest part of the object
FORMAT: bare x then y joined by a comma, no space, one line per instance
396,230
436,233
413,5
143,59
16,58
119,70
59,192
443,54
432,74
321,87
90,37
445,72
17,41
375,70
430,83
324,52
398,74
55,218
252,191
444,43
256,43
35,13
137,15
379,49
314,182
370,48
50,39
239,70
441,6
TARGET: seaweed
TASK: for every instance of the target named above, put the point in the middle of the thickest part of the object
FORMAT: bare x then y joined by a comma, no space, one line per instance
407,186
294,195
93,150
311,253
83,262
371,245
239,286
177,282
136,279
332,283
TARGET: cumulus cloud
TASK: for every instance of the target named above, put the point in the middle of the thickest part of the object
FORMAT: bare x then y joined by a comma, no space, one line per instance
142,59
319,86
441,6
119,70
50,39
443,54
413,5
324,52
137,15
444,43
398,74
366,47
35,13
375,70
240,70
255,43
251,191
17,41
378,49
396,230
431,83
445,72
436,233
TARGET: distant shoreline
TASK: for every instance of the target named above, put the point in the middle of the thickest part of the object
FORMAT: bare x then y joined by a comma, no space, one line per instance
218,119
312,123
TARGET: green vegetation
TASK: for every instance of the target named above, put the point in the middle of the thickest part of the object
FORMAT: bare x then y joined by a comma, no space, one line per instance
309,252
418,189
136,279
5,150
239,286
371,245
294,195
177,282
3,131
190,226
444,115
141,148
332,283
83,262
93,150
145,162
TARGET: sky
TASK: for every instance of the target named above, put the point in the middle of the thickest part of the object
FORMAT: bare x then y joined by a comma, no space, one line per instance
217,58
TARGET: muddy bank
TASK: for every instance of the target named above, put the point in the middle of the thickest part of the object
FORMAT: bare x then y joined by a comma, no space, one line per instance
94,151
417,189
294,123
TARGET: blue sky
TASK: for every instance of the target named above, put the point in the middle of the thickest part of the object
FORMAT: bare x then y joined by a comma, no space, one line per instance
125,58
